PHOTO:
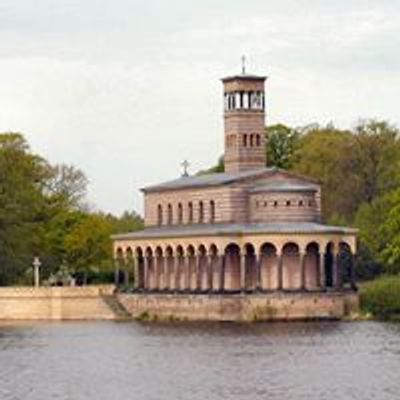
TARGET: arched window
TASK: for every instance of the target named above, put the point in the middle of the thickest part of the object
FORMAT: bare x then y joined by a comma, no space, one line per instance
245,140
258,140
275,203
169,214
159,215
301,203
190,212
212,211
251,140
288,203
201,212
180,213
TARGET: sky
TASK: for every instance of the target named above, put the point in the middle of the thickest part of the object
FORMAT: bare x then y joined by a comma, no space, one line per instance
127,89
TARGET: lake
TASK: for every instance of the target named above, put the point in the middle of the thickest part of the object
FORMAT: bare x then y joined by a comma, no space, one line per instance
131,360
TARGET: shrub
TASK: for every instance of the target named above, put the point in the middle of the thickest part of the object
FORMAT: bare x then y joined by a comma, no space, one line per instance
381,297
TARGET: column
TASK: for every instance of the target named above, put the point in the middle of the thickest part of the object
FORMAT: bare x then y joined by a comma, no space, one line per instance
242,272
146,273
210,272
303,270
156,273
126,277
136,273
176,273
221,262
280,271
167,272
198,272
321,266
162,275
116,273
335,269
258,262
187,274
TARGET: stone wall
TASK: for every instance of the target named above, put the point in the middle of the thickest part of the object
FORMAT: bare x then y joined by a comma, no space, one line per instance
56,303
256,307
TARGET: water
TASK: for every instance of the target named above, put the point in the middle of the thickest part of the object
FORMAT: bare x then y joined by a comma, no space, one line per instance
129,360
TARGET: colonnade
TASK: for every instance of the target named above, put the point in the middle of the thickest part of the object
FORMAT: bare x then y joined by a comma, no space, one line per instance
237,269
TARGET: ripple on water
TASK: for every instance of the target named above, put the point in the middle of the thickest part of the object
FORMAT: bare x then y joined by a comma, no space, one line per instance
285,361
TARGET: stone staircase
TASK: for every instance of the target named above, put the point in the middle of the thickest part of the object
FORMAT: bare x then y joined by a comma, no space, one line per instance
116,307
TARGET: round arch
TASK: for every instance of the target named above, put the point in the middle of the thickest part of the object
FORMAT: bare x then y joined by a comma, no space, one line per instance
268,266
291,271
232,267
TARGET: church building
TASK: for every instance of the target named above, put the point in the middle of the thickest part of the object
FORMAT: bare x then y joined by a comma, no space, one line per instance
250,234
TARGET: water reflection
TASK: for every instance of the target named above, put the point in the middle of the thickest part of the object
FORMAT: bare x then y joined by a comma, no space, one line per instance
108,360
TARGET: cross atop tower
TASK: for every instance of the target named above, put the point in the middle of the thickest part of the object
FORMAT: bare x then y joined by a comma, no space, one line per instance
185,164
243,58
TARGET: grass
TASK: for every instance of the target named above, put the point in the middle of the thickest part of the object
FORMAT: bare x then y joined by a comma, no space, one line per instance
381,297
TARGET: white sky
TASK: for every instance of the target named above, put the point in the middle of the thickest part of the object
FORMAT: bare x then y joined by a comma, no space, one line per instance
127,89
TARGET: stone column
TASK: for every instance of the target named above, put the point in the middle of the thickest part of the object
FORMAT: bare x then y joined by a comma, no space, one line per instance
280,271
335,269
162,284
210,272
187,273
116,273
303,270
176,273
198,272
242,272
221,262
258,261
126,277
136,273
156,272
146,285
167,273
321,266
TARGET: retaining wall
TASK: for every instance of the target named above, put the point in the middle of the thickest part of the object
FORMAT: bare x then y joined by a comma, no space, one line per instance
55,303
253,307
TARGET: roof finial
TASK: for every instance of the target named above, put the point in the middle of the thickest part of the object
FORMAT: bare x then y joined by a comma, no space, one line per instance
185,164
243,65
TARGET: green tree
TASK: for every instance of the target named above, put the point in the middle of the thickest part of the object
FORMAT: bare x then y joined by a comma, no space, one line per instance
376,154
324,153
22,177
389,235
281,144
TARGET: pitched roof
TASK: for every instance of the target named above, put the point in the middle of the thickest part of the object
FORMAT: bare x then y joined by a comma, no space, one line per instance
224,178
285,186
236,229
206,180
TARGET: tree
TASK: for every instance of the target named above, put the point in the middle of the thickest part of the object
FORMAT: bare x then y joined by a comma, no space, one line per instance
22,177
281,144
219,167
389,233
324,153
376,154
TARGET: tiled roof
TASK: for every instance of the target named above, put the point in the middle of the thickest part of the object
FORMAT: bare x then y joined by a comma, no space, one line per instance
206,180
236,229
285,186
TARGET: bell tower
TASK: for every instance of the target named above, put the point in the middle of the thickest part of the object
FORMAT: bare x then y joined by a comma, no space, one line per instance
244,122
